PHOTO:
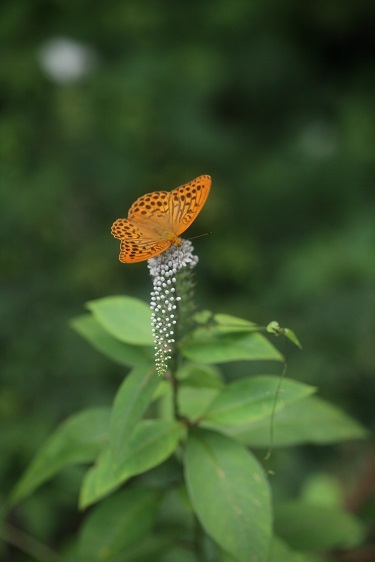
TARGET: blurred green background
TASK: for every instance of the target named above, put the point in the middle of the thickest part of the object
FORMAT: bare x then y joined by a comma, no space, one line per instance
102,102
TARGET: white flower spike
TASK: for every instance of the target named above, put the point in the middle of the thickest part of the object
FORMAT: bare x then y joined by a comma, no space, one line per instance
164,299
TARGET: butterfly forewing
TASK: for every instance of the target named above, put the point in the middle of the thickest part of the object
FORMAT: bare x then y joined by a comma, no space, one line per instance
186,202
150,206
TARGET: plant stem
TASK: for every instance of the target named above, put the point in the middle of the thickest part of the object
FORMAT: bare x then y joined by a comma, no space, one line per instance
28,544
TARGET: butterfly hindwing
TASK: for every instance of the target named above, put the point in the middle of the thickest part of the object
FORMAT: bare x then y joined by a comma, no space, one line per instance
137,244
133,252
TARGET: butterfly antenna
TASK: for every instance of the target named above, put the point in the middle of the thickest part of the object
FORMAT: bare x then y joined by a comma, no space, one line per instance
200,235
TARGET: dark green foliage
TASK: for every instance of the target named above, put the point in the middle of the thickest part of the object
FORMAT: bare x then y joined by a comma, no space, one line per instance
206,425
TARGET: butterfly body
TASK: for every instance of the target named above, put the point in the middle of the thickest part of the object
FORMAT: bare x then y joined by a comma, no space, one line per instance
156,220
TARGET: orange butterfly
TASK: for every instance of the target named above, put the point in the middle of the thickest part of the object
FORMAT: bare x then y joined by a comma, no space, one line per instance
156,220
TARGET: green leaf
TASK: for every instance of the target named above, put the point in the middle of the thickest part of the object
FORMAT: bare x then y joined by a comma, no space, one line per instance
151,443
203,316
131,401
227,323
176,517
125,318
323,489
151,549
308,527
165,405
78,440
180,553
292,337
280,552
208,347
193,402
121,521
223,323
275,328
230,495
311,420
254,398
161,390
123,353
199,376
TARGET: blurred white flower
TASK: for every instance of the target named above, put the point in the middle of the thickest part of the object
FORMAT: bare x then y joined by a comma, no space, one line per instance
64,60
